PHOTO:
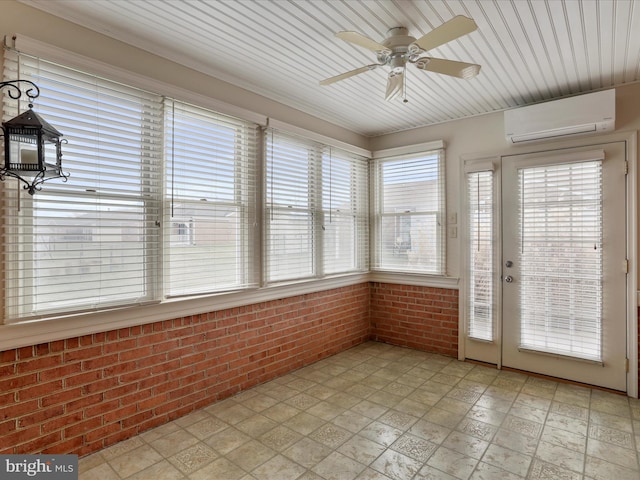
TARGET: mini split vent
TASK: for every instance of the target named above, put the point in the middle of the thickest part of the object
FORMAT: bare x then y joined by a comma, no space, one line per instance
579,115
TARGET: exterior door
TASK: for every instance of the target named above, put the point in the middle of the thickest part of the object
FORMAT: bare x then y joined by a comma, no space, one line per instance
559,275
564,265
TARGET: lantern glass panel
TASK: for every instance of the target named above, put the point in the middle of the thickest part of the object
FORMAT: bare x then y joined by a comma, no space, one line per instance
23,152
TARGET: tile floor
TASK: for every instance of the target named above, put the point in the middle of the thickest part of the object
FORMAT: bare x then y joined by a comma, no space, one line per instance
378,412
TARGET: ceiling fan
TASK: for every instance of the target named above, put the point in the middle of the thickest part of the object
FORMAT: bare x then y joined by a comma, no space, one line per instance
400,48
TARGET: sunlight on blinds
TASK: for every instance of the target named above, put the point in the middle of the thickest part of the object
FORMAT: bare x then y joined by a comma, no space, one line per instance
409,202
91,242
561,258
292,183
481,271
344,206
210,202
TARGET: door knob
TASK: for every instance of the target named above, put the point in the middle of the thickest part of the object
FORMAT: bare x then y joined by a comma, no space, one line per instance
508,279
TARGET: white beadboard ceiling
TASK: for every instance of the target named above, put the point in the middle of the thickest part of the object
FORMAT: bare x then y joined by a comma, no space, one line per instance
530,50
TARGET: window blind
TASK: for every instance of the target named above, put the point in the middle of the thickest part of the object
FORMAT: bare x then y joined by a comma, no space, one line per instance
345,212
91,242
480,224
560,210
210,200
409,213
315,209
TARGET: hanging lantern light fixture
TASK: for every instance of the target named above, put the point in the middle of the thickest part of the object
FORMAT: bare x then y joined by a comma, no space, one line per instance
32,147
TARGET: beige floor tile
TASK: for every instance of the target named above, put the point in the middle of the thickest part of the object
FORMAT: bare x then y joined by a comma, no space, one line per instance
610,453
193,458
307,452
567,423
227,440
369,409
509,460
541,470
396,465
599,469
560,456
466,444
379,412
206,427
352,421
337,466
304,423
414,447
280,438
99,472
515,441
484,471
251,455
381,433
174,442
135,460
452,463
256,425
276,468
564,438
331,435
361,449
430,431
281,412
161,470
220,468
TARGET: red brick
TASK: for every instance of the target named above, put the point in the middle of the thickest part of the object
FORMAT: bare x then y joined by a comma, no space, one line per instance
82,427
38,416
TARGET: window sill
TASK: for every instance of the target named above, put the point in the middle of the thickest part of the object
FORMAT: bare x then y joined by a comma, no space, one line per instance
435,281
34,332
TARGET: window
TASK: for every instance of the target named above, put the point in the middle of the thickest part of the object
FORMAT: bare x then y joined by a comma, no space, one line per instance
480,221
409,213
145,170
315,209
561,258
91,242
209,202
344,211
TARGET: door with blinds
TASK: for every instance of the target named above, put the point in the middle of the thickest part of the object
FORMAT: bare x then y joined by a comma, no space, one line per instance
548,295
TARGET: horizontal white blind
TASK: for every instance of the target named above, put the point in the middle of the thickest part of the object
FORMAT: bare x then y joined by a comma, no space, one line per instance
292,179
480,221
345,212
210,200
409,215
561,258
93,241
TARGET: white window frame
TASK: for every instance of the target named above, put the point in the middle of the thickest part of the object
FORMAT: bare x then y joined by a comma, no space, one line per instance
311,202
378,214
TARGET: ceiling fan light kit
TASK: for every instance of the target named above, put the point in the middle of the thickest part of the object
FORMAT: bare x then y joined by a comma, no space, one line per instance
400,48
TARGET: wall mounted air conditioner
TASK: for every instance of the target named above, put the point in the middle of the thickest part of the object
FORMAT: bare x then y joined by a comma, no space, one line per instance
582,114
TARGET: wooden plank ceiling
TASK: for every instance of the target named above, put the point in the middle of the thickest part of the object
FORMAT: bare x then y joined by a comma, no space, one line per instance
530,50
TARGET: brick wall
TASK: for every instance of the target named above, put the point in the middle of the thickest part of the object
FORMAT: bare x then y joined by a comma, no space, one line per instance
82,394
424,318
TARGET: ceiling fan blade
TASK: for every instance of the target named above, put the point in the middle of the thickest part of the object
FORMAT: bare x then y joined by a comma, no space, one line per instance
362,41
448,67
454,28
342,76
395,86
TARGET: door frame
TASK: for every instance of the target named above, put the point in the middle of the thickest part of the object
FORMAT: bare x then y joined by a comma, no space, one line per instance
631,152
